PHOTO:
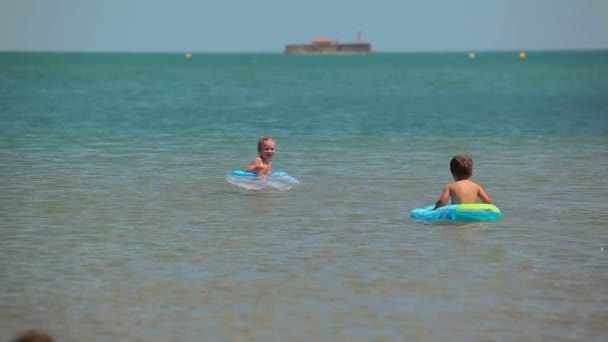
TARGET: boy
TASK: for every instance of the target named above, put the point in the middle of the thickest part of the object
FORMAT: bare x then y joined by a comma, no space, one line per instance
463,190
261,164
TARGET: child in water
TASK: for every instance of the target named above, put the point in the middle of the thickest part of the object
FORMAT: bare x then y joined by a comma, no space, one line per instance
261,164
462,190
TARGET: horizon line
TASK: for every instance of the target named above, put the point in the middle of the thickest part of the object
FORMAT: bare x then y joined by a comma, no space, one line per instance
173,52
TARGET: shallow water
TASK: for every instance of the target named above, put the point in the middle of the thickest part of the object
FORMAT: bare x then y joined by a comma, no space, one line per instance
118,224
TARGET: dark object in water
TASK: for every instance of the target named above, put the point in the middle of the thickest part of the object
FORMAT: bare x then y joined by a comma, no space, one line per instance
34,336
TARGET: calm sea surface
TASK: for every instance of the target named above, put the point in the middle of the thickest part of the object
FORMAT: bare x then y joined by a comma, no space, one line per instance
117,224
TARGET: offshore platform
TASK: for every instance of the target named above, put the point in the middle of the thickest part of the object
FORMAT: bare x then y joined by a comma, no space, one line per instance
328,46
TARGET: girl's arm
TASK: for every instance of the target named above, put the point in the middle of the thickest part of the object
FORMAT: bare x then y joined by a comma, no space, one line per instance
255,165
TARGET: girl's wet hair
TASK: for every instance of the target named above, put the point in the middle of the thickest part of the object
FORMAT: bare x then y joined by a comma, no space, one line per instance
263,141
461,167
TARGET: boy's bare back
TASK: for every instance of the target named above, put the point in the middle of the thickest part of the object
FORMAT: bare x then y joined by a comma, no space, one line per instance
463,190
466,191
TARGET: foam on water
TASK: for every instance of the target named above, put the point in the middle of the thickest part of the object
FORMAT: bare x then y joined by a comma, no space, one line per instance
250,181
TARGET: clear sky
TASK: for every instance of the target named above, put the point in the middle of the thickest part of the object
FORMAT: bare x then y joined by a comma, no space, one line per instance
267,25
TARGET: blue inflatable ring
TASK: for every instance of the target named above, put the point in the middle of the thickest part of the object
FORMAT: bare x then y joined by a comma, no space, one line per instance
476,212
248,180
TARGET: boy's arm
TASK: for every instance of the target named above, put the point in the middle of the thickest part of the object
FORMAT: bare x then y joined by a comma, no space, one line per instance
483,196
443,199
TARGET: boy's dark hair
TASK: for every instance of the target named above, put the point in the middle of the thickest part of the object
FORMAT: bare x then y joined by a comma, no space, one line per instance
461,167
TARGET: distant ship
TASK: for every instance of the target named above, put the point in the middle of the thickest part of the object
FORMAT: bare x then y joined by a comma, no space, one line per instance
328,46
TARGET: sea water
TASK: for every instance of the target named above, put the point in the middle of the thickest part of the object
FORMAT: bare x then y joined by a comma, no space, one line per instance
117,223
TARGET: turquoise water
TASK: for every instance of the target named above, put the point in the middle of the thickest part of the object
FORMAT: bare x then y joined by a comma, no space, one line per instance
117,222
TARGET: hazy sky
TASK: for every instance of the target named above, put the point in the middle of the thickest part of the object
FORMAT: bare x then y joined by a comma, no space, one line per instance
267,25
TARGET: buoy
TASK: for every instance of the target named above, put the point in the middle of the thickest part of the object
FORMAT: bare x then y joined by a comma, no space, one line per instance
472,55
188,55
522,55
